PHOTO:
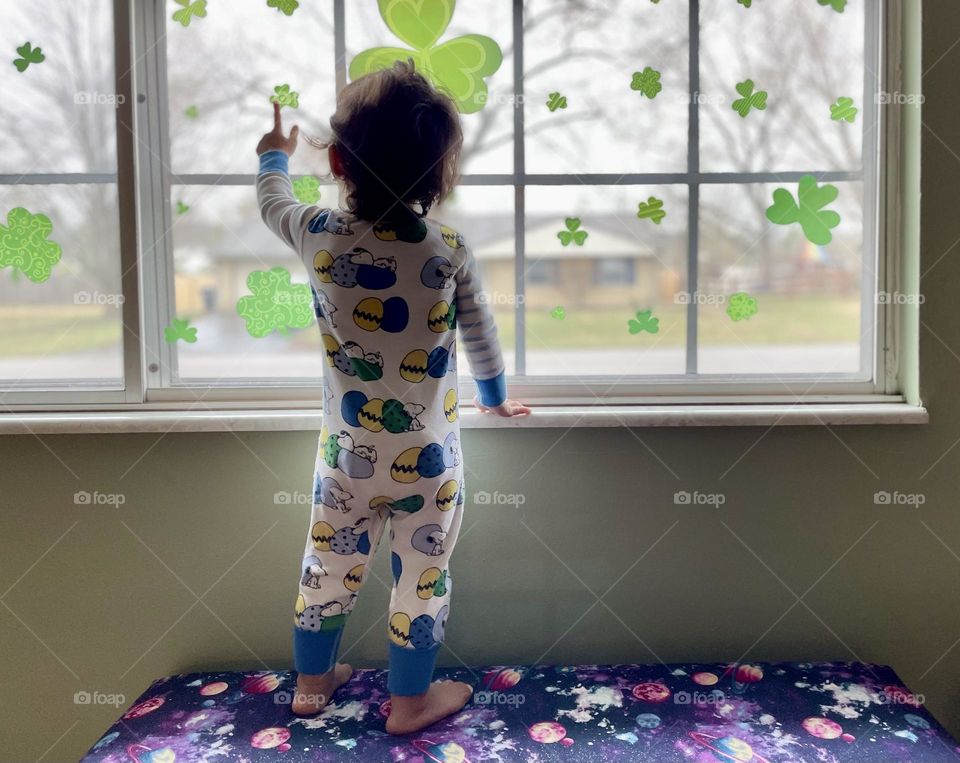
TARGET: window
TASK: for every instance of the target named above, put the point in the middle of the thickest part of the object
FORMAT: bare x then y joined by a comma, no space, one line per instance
629,186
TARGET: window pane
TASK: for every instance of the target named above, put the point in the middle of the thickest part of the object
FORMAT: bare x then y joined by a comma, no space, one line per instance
805,64
488,133
484,215
58,114
218,241
222,70
808,297
587,52
65,330
580,325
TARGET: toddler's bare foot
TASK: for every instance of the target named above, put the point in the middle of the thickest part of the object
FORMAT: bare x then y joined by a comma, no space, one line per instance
443,698
314,692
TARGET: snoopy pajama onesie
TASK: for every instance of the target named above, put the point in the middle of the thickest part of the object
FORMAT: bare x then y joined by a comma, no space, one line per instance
388,301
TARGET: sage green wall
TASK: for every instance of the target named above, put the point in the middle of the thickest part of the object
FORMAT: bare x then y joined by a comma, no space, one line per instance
197,570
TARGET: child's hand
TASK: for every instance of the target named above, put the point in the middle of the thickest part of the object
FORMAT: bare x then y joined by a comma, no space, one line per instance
275,140
506,408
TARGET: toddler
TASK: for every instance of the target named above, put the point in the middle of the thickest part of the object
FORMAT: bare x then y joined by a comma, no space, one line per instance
390,288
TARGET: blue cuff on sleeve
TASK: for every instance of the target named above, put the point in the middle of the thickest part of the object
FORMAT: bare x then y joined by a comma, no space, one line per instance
493,391
274,161
411,670
315,652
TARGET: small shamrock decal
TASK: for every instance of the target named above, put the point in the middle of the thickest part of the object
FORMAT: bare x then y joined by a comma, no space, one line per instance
809,211
283,95
28,55
751,99
558,312
459,66
844,110
647,82
182,208
191,112
644,322
741,306
572,233
556,101
24,245
286,7
188,10
651,209
180,329
275,304
745,3
307,190
837,5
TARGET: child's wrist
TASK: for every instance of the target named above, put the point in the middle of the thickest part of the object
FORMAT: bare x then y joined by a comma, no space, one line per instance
275,160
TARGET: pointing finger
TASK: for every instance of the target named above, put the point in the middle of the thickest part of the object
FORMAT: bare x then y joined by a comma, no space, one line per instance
277,126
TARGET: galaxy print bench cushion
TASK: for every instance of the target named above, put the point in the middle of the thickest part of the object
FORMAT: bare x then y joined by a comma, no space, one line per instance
772,713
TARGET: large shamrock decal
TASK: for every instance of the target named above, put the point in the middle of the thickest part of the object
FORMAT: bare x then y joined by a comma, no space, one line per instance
275,304
24,245
458,66
807,209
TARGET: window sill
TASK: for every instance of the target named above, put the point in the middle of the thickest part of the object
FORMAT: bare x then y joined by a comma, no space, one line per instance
690,415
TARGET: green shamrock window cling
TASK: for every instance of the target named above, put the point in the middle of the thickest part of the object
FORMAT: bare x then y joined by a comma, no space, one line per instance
843,110
28,55
807,209
837,5
572,232
644,321
180,328
307,189
741,306
458,66
752,99
274,303
647,82
283,95
24,245
286,7
652,209
189,10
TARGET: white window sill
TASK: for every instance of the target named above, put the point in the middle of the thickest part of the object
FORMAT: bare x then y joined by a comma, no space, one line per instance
690,415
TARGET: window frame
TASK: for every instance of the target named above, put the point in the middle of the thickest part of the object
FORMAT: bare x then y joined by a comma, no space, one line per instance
144,180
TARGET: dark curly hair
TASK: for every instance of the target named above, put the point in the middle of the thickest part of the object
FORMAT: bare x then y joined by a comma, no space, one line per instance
399,142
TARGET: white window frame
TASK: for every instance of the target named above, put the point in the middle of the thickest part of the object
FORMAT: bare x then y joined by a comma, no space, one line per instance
147,281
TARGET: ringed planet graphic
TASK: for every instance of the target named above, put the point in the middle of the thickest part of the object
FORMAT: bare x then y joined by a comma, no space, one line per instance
651,691
822,728
260,684
446,752
147,706
728,749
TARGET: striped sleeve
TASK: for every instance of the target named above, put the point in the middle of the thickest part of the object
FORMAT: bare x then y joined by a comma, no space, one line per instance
478,334
280,210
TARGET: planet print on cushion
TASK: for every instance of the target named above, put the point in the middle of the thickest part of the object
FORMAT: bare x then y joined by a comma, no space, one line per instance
795,713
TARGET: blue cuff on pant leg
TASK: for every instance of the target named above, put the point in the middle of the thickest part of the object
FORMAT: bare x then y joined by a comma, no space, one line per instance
315,652
411,670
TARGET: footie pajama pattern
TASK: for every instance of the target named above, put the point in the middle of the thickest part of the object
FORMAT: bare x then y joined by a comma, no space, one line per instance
388,300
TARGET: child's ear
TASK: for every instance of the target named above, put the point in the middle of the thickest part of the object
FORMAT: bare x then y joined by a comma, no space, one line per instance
336,165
